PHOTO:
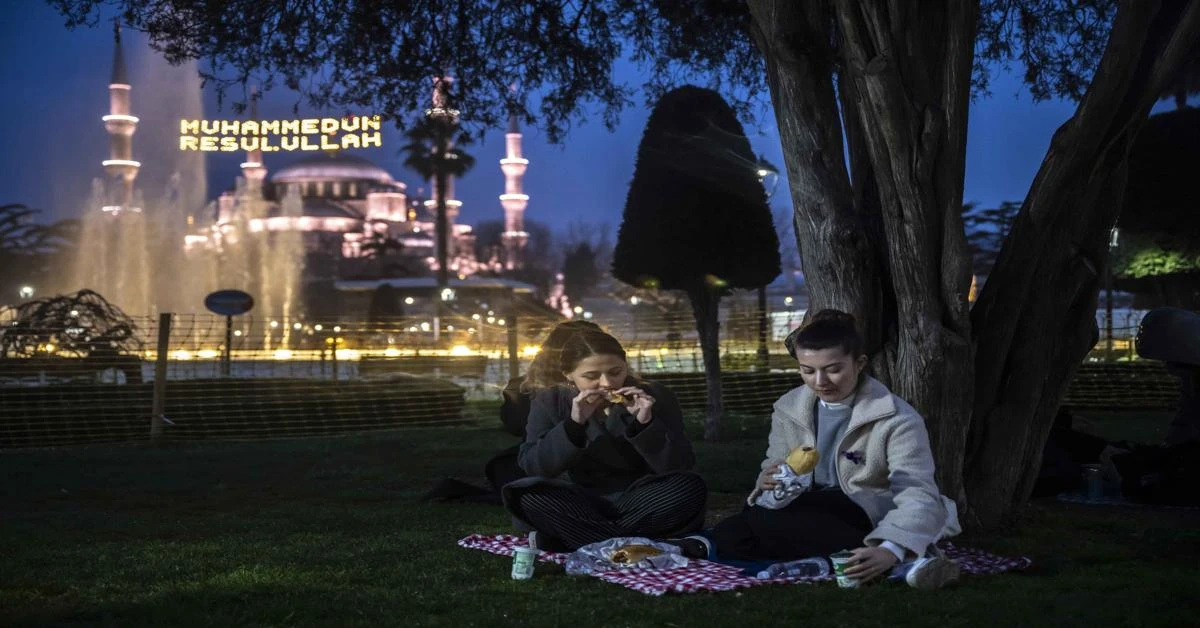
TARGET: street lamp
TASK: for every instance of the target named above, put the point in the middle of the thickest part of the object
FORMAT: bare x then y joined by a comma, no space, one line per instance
1114,238
26,292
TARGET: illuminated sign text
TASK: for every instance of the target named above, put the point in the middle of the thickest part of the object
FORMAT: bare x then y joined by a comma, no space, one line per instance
270,136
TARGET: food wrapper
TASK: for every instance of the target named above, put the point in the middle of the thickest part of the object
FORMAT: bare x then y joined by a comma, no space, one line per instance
789,488
597,557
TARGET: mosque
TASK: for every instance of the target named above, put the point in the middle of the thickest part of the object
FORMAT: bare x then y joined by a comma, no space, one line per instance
353,225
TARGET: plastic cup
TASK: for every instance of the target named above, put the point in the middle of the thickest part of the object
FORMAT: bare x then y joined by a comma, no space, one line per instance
840,561
523,560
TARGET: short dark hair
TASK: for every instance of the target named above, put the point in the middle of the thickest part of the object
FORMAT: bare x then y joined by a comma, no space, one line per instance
826,329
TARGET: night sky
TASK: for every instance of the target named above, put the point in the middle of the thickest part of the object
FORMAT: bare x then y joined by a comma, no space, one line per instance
55,84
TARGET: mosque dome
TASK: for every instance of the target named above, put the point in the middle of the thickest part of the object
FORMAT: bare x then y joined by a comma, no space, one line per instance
337,167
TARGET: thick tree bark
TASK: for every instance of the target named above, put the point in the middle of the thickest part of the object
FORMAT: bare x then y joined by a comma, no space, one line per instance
705,307
887,246
1035,318
835,248
909,65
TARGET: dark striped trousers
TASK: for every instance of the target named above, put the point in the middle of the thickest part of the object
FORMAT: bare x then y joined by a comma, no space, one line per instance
657,507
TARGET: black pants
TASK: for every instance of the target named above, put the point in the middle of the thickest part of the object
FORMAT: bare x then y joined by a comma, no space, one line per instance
817,523
571,518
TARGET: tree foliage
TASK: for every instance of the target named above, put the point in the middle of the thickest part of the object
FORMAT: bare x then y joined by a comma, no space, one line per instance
30,251
986,229
696,217
82,324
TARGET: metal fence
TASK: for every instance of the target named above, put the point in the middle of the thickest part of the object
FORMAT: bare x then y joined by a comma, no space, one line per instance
283,378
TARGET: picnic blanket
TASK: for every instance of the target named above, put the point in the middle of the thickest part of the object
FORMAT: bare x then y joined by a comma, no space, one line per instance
703,575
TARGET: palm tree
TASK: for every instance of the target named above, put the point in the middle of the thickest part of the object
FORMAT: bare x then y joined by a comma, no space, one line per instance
434,151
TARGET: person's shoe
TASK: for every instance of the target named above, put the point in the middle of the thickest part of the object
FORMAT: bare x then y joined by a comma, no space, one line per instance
694,546
933,572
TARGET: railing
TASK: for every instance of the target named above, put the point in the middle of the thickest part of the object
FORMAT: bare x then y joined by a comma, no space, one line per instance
279,378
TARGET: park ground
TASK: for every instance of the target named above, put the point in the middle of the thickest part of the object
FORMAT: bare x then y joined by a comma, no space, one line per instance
331,532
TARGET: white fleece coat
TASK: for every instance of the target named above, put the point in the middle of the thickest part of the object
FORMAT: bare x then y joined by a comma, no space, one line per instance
884,464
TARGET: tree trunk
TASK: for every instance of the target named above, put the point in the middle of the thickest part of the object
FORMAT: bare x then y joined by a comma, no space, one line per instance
1036,314
705,307
835,250
907,70
887,245
442,226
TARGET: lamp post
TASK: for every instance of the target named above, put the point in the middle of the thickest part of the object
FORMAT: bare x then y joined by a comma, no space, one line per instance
1113,240
26,292
764,170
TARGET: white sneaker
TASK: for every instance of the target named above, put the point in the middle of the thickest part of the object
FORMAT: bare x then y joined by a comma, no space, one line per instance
931,573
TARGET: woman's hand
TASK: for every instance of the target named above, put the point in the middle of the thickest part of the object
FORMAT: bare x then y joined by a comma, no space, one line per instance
638,403
585,404
870,562
765,481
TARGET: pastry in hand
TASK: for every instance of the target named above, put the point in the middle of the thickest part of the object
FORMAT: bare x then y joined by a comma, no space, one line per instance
633,554
803,460
614,397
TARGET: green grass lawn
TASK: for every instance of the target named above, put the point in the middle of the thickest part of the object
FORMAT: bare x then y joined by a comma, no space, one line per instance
329,531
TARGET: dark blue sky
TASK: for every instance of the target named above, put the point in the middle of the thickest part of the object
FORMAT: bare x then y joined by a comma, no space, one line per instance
55,85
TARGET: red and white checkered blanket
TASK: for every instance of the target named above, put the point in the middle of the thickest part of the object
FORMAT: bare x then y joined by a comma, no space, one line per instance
702,575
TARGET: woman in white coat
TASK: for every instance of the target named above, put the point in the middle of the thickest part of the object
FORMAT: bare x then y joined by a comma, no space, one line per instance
872,490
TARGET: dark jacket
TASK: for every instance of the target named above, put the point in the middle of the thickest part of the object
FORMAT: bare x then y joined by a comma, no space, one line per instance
514,411
609,453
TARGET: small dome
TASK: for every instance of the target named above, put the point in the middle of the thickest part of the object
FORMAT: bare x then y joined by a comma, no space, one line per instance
339,167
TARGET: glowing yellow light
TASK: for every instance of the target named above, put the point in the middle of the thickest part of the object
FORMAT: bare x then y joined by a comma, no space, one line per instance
347,354
491,319
409,300
500,322
318,327
237,332
664,351
449,327
413,328
283,354
424,326
268,136
274,324
50,348
460,350
181,355
207,353
633,300
337,328
475,317
578,310
787,300
391,352
296,326
530,350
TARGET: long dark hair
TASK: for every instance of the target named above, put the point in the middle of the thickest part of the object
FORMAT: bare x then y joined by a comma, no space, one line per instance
544,371
586,343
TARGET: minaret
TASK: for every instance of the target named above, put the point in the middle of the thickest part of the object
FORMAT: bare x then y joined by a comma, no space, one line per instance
514,199
120,125
253,169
